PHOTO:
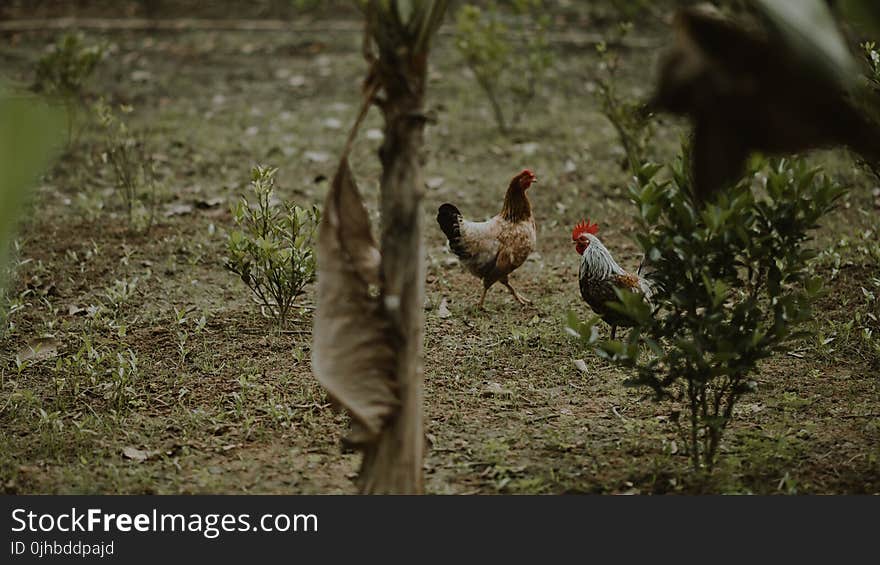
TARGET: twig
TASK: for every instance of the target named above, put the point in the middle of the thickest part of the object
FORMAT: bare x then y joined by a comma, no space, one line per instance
543,418
312,405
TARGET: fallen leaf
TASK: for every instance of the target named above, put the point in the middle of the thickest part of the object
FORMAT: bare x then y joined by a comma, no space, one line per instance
443,310
135,454
435,182
529,148
493,389
74,310
317,156
209,202
141,76
581,366
39,349
178,210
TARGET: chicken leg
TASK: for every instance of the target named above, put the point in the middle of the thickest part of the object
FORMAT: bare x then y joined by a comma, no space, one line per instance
519,298
482,298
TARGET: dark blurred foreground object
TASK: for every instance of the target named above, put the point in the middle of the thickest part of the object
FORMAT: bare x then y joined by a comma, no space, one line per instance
781,89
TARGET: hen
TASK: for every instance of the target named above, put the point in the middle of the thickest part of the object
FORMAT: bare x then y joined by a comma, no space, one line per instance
493,249
600,275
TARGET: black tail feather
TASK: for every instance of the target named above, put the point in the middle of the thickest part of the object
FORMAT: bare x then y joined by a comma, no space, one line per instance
449,219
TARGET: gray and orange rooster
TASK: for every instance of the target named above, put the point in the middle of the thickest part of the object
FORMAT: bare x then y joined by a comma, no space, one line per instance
493,249
600,275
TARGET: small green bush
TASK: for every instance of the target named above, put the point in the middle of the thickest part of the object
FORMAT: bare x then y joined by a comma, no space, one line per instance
272,248
507,66
733,287
64,70
132,165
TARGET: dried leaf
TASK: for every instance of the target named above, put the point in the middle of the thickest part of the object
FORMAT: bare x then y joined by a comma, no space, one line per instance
493,389
443,310
581,366
39,349
434,182
208,203
135,454
178,210
352,354
317,156
74,310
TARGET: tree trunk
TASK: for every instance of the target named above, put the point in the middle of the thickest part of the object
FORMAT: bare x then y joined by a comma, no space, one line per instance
394,463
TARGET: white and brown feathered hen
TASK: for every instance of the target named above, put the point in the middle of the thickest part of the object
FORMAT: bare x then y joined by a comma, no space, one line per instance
493,249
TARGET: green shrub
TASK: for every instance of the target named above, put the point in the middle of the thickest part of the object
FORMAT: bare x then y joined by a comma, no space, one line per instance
271,248
64,70
733,286
507,66
132,165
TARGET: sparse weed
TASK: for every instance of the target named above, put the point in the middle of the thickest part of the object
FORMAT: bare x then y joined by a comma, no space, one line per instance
108,372
133,167
857,335
117,297
184,324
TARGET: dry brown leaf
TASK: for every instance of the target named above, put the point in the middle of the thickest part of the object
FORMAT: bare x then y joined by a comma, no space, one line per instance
135,454
443,310
352,355
39,349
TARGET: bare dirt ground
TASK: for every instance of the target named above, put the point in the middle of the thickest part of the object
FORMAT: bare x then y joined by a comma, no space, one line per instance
233,407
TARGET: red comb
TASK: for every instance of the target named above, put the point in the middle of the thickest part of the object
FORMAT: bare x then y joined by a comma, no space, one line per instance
584,227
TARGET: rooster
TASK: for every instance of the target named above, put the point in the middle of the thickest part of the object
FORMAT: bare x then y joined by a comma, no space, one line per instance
493,249
600,275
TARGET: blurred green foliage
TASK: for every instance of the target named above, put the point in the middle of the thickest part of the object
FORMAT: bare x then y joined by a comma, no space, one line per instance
30,133
63,71
630,119
508,53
